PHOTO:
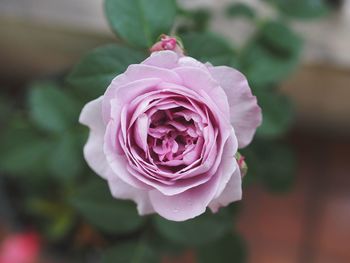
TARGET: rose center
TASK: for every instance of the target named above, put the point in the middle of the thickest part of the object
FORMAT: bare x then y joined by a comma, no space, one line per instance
172,139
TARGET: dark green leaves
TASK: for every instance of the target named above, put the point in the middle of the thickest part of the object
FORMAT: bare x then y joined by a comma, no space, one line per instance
94,201
240,9
140,22
130,252
66,160
228,249
271,163
92,75
280,37
51,108
277,114
197,231
23,151
209,47
302,9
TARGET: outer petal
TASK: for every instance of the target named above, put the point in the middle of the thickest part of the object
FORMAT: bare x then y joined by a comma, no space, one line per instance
96,159
162,59
244,110
231,193
200,80
186,205
121,190
93,150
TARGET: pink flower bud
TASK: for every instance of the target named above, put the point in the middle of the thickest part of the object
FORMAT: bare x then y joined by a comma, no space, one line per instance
20,248
168,43
241,164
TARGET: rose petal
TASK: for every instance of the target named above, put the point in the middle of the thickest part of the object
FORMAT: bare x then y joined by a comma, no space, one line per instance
244,110
200,80
141,129
121,190
162,59
93,150
231,193
186,205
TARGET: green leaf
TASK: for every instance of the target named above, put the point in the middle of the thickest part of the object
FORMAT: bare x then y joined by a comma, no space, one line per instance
51,108
277,113
302,9
130,252
264,66
280,37
240,9
95,203
66,161
208,47
271,163
92,75
197,231
22,150
229,249
6,108
140,22
56,219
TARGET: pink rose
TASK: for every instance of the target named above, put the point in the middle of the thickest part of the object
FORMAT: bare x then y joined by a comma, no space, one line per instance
166,132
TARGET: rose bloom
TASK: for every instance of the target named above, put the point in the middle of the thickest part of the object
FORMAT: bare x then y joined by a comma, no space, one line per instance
166,131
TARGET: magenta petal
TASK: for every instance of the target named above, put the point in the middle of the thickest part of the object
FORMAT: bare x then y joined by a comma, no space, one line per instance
244,110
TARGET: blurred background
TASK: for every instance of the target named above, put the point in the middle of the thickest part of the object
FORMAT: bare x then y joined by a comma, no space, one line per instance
310,223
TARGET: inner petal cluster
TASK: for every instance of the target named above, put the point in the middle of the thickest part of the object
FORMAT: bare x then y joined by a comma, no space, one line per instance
170,133
174,140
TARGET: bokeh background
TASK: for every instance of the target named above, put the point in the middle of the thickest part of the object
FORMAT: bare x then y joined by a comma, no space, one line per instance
310,223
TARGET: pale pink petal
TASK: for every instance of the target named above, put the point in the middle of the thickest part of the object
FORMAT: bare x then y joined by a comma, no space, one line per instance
141,129
122,190
228,163
231,193
91,116
118,94
244,110
162,59
186,205
204,84
142,71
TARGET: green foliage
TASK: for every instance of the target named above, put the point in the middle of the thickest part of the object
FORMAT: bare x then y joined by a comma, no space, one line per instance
240,10
198,231
51,108
280,38
94,202
277,113
271,55
209,47
130,252
66,161
140,22
23,151
5,109
92,75
271,163
56,219
230,248
302,9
